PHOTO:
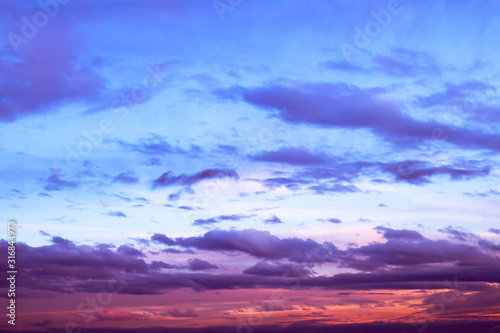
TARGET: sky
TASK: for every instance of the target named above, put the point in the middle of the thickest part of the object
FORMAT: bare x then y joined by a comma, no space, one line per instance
251,165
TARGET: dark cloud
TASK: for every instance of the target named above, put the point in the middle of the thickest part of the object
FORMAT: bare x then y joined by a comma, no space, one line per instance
169,179
399,234
32,84
158,265
483,194
396,264
55,183
51,267
129,251
494,230
262,244
62,241
176,251
228,149
333,188
200,265
319,326
273,220
338,173
211,220
141,241
339,105
286,270
486,244
161,238
411,252
187,313
43,323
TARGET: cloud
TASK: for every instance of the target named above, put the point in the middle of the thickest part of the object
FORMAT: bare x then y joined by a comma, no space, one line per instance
411,252
494,230
389,233
129,251
169,179
286,270
158,265
262,244
457,233
51,267
32,84
161,238
340,105
331,220
455,94
55,183
273,220
396,264
409,171
62,241
211,220
126,178
116,214
200,265
486,244
187,313
43,323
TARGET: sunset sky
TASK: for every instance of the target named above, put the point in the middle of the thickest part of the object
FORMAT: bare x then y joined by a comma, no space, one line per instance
252,165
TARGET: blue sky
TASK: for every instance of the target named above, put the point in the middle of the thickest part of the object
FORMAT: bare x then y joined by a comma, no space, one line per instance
195,56
320,120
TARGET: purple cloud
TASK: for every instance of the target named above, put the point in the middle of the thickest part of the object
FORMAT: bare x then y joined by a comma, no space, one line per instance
341,105
200,265
169,179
